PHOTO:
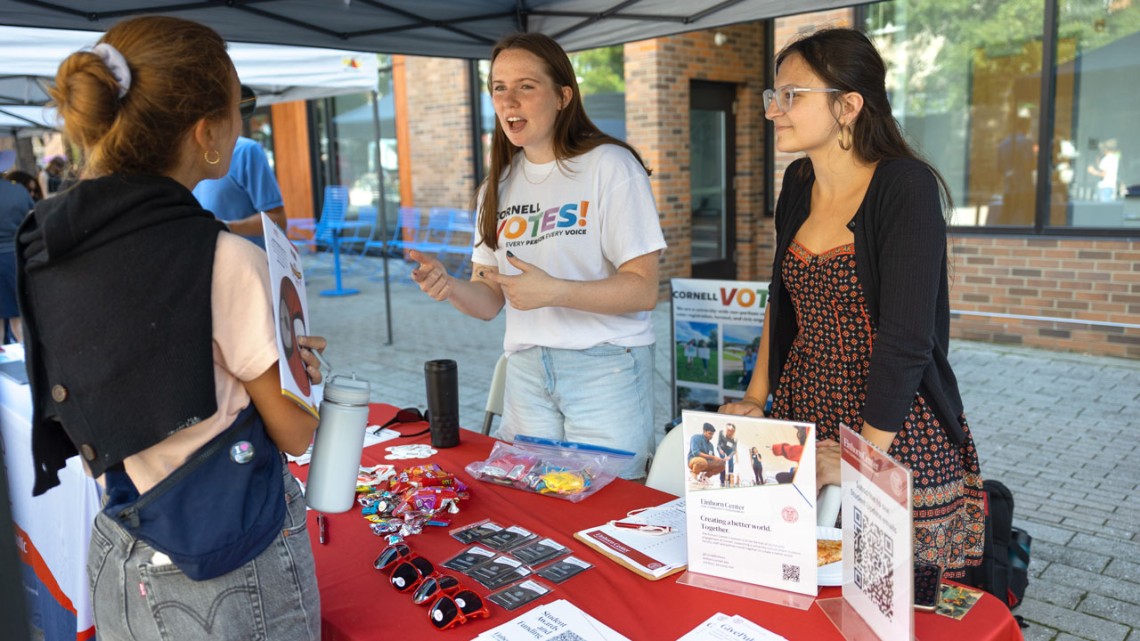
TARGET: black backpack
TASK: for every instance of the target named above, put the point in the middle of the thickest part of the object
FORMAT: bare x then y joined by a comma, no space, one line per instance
1004,571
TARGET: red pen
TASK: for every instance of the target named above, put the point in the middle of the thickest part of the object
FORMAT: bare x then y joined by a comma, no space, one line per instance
642,527
322,529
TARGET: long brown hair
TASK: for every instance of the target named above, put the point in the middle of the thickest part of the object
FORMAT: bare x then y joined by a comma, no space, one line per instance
574,133
180,74
845,59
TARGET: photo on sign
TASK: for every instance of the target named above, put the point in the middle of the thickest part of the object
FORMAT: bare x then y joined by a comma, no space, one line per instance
719,457
696,352
698,398
740,346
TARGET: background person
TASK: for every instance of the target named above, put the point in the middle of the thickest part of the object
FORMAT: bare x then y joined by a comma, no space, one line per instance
54,176
27,181
568,240
757,465
1107,169
150,344
15,203
247,189
861,254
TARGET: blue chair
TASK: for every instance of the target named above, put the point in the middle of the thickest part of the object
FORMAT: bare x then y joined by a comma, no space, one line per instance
406,234
457,254
356,238
333,208
437,234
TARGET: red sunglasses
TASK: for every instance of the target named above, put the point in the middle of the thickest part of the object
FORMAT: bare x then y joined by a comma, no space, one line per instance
434,586
450,611
409,573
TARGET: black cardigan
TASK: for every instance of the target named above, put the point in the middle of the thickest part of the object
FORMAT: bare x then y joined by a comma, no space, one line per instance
114,284
900,255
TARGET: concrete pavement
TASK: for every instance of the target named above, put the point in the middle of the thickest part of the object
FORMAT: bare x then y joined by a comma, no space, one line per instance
1060,429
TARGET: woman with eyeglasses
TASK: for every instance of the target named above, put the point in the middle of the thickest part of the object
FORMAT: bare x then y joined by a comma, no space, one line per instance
568,241
857,325
151,352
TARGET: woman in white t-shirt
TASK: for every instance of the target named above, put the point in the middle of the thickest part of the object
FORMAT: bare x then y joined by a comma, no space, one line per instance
568,240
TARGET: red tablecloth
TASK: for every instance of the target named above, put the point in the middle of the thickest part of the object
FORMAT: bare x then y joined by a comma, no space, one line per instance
358,603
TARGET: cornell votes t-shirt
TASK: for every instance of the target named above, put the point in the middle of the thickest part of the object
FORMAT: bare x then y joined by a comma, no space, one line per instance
580,221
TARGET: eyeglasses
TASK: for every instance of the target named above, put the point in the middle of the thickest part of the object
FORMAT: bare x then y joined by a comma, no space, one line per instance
784,96
450,611
248,103
409,573
435,585
407,415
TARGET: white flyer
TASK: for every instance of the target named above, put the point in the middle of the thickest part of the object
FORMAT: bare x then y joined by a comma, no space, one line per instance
750,497
878,559
557,620
290,314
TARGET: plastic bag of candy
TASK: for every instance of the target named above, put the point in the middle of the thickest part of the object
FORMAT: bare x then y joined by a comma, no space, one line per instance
567,470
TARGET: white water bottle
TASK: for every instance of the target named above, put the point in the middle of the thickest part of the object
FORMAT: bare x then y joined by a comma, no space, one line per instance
340,440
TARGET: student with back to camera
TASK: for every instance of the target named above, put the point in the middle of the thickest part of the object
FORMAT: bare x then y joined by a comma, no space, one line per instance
152,354
857,325
568,239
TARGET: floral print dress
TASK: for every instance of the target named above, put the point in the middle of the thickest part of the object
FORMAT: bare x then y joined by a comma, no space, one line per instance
824,381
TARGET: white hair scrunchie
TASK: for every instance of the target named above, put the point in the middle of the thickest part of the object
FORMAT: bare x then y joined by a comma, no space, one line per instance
116,63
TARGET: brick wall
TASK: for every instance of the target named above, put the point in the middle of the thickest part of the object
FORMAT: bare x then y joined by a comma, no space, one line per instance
657,76
439,125
1071,280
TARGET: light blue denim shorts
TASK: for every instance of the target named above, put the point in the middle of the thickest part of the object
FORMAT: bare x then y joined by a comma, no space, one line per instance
274,597
602,395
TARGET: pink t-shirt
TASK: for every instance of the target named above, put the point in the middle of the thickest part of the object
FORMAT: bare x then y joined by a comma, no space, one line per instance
244,348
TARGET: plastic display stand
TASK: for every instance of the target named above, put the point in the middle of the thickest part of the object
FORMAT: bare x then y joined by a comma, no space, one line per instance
747,590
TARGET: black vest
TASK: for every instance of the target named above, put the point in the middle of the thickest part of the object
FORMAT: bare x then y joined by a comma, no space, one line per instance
114,285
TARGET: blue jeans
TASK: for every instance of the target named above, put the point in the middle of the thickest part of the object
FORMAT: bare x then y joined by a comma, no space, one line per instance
602,395
272,597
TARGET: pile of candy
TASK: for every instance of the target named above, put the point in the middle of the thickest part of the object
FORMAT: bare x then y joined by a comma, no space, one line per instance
406,502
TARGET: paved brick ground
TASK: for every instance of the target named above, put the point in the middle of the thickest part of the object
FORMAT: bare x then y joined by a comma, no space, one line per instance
1059,429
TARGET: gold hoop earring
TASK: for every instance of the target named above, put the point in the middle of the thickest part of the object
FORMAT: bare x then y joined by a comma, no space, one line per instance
217,157
846,137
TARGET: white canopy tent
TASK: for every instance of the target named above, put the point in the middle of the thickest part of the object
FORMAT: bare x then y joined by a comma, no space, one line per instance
277,73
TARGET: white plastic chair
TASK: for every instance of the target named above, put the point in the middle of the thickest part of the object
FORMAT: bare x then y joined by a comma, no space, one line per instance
667,472
495,394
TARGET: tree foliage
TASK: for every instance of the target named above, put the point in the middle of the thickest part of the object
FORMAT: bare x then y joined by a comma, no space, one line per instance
600,70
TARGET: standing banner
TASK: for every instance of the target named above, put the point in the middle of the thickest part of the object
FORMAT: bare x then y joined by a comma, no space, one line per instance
290,313
716,335
747,522
878,532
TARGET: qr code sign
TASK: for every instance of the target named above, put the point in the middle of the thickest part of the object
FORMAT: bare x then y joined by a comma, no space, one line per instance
874,575
791,573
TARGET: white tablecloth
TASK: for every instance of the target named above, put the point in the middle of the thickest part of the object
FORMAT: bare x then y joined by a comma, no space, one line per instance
52,530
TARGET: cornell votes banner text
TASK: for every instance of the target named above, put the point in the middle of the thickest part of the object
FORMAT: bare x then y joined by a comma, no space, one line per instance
716,335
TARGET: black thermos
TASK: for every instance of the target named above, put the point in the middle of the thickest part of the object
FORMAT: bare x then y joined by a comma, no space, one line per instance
443,402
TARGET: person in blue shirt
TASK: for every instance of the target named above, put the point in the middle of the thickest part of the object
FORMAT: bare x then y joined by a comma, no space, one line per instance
703,460
726,447
15,203
241,195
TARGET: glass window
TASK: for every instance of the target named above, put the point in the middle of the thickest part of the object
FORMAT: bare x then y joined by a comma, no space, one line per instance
965,84
1095,177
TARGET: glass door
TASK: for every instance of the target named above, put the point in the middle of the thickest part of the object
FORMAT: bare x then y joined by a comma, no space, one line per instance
712,135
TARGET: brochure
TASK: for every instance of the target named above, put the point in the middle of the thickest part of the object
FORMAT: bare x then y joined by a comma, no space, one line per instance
552,622
290,314
878,559
653,554
721,627
759,527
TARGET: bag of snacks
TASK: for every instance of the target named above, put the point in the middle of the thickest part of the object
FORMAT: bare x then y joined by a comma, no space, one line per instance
564,469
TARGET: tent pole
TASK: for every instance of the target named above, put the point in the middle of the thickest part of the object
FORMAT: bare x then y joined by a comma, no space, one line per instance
382,215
